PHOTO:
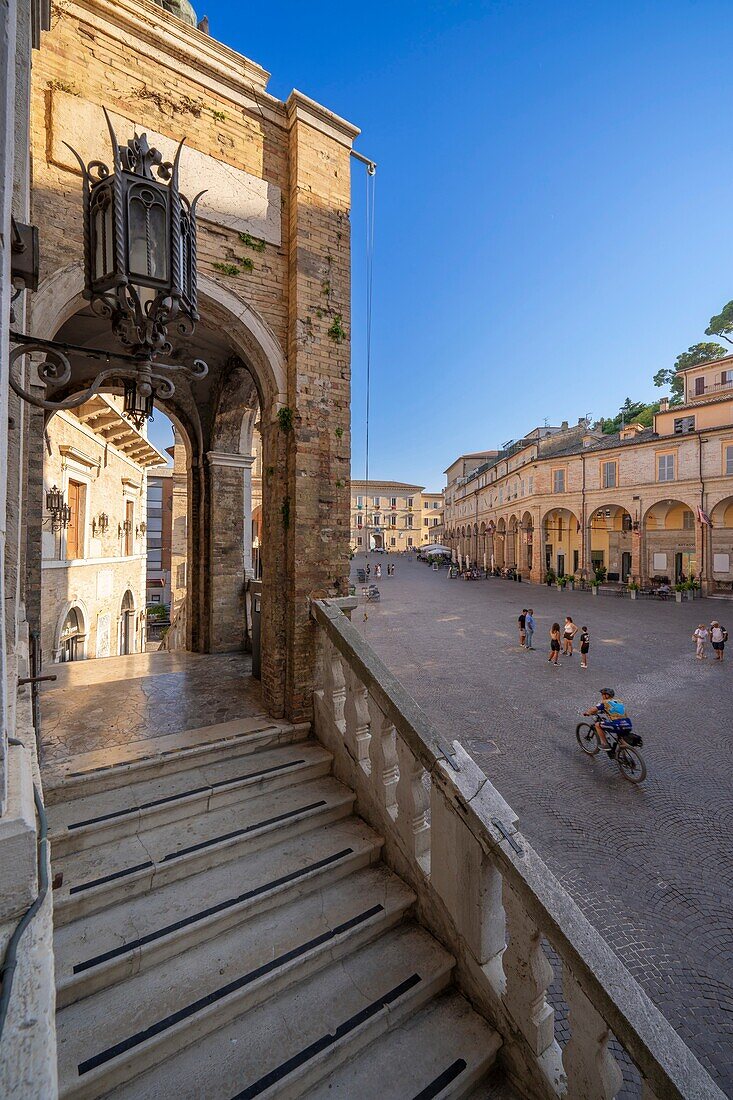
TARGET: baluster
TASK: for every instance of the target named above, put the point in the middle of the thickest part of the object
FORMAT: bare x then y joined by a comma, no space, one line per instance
528,976
591,1070
334,687
413,803
383,759
356,717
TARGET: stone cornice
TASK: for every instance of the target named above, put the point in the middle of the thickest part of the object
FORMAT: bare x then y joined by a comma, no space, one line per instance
186,51
302,109
223,458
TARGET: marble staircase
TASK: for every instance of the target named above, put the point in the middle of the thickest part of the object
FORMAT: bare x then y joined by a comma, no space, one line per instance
225,927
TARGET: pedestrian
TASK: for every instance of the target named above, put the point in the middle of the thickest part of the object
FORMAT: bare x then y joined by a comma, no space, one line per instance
368,569
718,637
378,572
699,638
554,643
584,646
522,627
529,628
569,632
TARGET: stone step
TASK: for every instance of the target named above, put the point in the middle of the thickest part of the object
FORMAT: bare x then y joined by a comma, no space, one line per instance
106,816
443,1051
137,761
125,868
104,948
119,1032
292,1041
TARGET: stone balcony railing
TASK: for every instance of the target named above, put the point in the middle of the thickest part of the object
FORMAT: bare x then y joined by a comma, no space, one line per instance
486,894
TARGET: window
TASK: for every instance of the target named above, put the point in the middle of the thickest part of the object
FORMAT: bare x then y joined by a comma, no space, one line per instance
393,542
426,504
393,502
608,471
409,542
530,481
155,495
688,520
699,386
376,520
665,467
409,521
393,521
75,530
426,523
359,521
436,521
129,521
360,502
359,541
155,598
726,377
375,501
684,424
558,481
501,496
409,502
435,504
729,459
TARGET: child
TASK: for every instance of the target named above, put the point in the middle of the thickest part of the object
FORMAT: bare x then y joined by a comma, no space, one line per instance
699,638
584,646
554,644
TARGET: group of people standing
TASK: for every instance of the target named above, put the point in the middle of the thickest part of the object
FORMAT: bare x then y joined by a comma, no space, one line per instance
559,639
378,570
716,634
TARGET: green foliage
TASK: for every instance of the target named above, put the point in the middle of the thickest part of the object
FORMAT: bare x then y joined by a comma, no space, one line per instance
157,611
699,353
285,418
246,263
339,432
722,324
600,574
550,576
337,332
227,269
219,116
255,243
631,412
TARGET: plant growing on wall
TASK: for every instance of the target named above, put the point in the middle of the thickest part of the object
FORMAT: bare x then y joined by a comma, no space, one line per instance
337,331
226,268
255,243
285,419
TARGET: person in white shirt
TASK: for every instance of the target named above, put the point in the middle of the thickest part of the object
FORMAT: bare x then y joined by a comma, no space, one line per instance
717,637
699,638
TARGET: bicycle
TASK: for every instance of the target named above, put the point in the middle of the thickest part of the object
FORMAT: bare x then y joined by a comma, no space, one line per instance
627,756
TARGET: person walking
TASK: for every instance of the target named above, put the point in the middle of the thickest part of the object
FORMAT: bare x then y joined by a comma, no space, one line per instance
554,643
569,632
584,646
700,637
529,629
718,637
522,627
378,572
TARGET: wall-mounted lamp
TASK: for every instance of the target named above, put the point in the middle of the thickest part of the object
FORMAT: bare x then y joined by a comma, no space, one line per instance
100,524
60,511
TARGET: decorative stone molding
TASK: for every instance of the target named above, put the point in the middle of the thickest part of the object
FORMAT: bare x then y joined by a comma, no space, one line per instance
221,458
302,109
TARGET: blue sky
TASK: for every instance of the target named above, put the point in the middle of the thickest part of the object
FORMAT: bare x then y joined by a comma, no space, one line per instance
551,204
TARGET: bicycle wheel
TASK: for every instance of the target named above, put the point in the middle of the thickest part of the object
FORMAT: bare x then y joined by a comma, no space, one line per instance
587,738
631,764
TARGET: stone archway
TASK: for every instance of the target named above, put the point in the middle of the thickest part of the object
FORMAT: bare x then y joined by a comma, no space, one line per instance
70,636
613,543
671,541
721,545
562,542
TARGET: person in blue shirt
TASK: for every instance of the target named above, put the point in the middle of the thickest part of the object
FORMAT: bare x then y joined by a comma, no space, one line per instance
529,629
610,713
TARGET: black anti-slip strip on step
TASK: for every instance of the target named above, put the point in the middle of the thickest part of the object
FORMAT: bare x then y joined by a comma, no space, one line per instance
243,832
169,752
111,878
326,1041
442,1080
184,794
218,994
133,945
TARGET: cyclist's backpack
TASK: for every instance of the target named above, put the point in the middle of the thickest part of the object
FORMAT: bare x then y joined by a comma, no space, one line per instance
614,709
725,634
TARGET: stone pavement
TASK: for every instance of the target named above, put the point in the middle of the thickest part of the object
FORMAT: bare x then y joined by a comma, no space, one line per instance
650,866
114,700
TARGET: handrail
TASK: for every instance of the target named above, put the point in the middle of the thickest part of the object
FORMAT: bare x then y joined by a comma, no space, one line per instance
667,1064
10,962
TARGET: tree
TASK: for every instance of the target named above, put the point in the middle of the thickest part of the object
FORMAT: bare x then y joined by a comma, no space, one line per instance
722,324
696,354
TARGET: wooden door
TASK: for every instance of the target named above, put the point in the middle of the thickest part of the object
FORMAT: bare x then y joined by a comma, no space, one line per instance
129,513
74,533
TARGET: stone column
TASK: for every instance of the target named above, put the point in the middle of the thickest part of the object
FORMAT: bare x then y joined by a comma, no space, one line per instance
247,487
225,482
704,556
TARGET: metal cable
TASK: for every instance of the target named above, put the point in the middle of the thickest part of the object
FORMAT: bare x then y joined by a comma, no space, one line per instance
371,178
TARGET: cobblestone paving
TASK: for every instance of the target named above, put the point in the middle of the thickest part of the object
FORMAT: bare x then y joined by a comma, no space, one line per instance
650,866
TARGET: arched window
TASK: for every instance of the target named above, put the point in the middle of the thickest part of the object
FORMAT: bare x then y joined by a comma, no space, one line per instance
71,632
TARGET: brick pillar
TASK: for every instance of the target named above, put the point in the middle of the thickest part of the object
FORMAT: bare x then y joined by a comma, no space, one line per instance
319,380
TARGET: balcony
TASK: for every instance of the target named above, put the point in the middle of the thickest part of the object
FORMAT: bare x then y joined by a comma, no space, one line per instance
711,389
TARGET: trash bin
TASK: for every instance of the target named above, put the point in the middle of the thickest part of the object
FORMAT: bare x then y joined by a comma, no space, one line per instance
256,591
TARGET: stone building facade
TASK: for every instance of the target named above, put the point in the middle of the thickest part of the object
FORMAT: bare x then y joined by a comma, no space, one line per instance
644,503
274,300
385,515
158,538
431,518
93,570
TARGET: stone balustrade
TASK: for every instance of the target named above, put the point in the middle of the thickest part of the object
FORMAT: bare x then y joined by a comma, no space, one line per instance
486,894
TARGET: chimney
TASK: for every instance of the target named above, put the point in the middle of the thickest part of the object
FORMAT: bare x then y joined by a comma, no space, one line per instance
664,405
564,426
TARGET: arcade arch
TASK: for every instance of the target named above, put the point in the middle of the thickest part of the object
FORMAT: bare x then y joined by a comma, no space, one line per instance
669,531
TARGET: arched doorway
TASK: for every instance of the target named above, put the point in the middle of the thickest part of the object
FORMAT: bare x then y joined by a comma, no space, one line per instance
127,637
72,636
561,532
526,545
669,531
611,539
721,542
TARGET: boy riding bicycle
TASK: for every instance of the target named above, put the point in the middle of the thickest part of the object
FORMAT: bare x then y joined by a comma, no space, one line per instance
610,714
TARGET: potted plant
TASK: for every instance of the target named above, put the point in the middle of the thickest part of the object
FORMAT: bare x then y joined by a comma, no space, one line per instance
678,592
599,576
633,590
550,577
570,581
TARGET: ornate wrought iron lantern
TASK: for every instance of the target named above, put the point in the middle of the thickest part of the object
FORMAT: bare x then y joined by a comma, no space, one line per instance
139,272
100,524
60,511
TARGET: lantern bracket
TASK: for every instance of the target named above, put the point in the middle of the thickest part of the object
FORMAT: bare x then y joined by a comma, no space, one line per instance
56,370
